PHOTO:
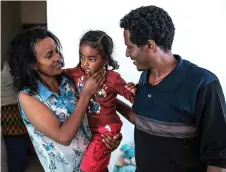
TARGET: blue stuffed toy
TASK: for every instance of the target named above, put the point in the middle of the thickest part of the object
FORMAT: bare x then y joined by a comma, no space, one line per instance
126,161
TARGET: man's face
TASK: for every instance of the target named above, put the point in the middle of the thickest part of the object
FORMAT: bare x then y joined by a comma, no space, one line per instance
138,55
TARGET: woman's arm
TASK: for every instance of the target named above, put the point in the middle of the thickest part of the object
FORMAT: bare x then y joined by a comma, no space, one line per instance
46,122
125,111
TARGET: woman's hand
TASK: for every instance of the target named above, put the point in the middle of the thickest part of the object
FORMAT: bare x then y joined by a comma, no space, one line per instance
94,82
112,143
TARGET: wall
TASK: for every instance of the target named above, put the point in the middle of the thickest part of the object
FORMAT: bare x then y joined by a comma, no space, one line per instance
16,13
10,25
200,33
33,12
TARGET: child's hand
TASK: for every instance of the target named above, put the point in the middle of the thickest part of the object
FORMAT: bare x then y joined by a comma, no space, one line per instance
94,82
131,87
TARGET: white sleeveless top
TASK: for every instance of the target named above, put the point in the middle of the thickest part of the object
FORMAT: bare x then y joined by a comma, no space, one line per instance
53,156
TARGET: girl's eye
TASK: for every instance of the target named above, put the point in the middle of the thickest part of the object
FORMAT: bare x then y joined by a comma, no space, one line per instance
92,59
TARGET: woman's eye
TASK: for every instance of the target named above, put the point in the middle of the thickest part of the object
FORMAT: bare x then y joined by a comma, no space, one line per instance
49,55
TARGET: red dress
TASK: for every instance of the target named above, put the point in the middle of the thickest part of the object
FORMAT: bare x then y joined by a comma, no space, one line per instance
102,117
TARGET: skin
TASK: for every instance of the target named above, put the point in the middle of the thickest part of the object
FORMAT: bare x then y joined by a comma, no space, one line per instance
48,66
150,56
136,54
91,61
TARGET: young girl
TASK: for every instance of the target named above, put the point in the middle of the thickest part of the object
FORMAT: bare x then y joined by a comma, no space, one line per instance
95,51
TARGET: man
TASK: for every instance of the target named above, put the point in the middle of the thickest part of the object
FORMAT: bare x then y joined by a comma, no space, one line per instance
180,107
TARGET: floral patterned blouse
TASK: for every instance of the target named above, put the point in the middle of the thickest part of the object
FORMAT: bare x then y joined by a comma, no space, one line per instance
53,156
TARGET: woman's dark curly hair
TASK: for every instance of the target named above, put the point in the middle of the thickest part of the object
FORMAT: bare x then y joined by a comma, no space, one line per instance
149,23
104,45
22,56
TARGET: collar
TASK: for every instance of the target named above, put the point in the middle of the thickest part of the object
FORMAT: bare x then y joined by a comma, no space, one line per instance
44,92
171,81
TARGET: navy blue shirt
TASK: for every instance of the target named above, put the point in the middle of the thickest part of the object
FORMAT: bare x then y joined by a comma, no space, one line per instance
180,122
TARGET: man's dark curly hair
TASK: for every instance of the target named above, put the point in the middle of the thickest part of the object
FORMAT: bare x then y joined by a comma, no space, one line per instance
22,56
149,23
103,43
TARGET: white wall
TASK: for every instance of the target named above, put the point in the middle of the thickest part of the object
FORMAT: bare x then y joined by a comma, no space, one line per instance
200,33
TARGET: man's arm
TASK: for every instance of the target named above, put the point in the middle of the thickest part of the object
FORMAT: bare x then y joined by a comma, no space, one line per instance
210,113
125,111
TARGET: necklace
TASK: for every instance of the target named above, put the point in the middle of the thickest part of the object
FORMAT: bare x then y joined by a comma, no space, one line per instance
162,77
157,81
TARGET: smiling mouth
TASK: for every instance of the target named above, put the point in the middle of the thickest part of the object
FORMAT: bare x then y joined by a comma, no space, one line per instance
58,65
135,62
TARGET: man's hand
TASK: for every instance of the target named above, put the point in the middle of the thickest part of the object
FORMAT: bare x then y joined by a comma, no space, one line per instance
112,143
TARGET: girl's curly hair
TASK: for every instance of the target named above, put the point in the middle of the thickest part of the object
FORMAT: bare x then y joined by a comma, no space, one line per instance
103,43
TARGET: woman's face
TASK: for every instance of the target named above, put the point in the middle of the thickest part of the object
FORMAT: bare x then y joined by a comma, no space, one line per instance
47,57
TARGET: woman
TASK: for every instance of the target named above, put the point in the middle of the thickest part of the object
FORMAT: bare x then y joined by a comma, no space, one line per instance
54,116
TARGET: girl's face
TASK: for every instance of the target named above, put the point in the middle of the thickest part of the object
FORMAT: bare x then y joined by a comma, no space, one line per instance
90,59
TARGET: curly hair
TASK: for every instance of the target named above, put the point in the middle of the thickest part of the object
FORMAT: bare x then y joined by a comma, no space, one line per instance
149,23
22,56
103,43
